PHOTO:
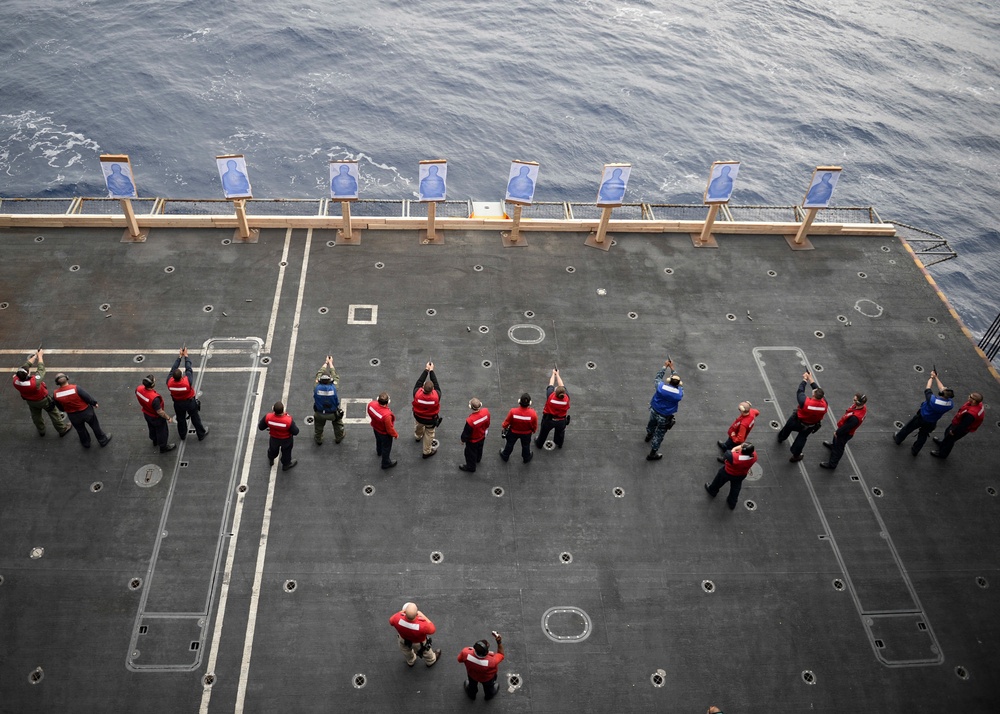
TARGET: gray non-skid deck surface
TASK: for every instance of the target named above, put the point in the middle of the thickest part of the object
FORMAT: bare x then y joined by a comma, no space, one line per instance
638,560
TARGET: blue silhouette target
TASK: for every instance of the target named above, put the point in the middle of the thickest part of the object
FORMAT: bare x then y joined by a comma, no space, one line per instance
824,180
433,180
118,177
233,172
721,180
614,179
521,182
344,176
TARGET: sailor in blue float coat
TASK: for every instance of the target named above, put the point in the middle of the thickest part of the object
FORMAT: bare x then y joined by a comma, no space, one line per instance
326,403
662,408
933,408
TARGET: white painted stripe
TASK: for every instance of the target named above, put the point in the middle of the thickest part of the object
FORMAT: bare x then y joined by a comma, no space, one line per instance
265,528
132,351
277,291
213,655
145,370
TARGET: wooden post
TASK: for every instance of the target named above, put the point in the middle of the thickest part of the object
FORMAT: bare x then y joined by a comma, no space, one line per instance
431,236
346,235
244,234
801,241
512,238
596,240
132,234
705,238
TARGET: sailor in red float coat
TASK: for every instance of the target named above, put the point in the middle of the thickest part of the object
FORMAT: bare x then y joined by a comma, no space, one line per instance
807,419
156,418
79,407
186,403
555,415
281,428
413,630
968,419
740,429
426,407
737,465
481,667
520,424
846,427
477,424
34,392
383,424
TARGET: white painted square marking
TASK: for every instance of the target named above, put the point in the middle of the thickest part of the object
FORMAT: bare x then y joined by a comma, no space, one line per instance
362,403
354,319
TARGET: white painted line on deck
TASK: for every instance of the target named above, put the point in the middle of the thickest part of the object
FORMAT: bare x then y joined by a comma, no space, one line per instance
213,655
139,368
277,291
266,524
29,351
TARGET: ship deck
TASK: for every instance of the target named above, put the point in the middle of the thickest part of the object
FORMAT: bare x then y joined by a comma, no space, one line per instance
618,585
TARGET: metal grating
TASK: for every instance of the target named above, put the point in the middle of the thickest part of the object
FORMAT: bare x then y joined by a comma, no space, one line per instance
929,247
624,212
283,207
36,205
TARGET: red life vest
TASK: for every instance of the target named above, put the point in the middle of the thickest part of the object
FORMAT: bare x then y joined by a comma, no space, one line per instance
521,420
146,396
426,406
978,412
852,411
412,630
68,400
32,389
479,422
739,430
381,417
741,463
279,426
180,389
557,407
480,669
813,411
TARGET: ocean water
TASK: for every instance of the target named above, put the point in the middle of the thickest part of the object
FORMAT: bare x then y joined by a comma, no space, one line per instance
903,95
